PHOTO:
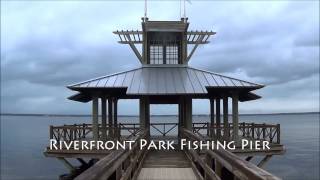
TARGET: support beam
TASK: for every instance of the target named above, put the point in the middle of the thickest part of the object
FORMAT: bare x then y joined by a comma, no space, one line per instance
180,123
83,162
226,130
110,117
212,133
103,119
142,113
67,164
249,158
188,113
147,113
134,48
235,116
115,117
264,161
95,124
218,117
200,38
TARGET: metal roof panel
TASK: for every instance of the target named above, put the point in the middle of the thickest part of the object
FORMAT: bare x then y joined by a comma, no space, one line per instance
155,80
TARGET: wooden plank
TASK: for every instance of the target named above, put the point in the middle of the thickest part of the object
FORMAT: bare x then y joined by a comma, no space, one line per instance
167,174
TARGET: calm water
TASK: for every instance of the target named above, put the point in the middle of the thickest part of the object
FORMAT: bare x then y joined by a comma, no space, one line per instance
23,140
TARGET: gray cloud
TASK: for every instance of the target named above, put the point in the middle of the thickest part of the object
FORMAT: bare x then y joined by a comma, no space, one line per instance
48,45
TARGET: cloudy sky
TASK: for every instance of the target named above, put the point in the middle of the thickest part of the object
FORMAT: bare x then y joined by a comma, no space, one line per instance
48,45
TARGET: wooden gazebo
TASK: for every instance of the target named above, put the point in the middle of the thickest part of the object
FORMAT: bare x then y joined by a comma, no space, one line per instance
166,78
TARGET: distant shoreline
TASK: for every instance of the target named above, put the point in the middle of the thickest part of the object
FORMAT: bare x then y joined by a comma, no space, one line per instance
87,115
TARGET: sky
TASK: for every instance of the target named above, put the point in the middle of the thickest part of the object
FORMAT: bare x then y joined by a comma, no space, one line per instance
46,46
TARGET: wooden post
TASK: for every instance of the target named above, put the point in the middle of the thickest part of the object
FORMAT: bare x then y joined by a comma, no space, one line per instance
67,164
180,123
103,119
188,113
115,118
218,168
278,133
147,115
212,133
51,132
252,130
264,131
225,118
142,113
95,132
110,117
235,116
218,119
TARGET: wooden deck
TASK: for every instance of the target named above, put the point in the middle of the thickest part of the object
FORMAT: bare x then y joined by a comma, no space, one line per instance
166,165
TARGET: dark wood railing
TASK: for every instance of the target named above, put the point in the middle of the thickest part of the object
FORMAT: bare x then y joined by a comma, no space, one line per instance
164,128
266,132
255,131
222,164
121,164
84,131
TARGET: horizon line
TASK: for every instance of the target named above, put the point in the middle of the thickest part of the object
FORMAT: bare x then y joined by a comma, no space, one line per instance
84,115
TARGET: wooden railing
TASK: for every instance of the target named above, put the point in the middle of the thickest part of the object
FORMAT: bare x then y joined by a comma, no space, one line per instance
121,164
164,128
222,164
255,131
267,132
84,131
70,132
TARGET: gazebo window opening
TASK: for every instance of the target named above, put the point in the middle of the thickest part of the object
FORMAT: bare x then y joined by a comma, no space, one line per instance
164,52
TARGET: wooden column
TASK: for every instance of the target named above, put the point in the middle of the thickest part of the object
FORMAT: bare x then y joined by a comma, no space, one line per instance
104,119
212,133
147,113
110,117
115,117
95,129
235,116
218,119
142,112
188,113
180,124
225,117
181,112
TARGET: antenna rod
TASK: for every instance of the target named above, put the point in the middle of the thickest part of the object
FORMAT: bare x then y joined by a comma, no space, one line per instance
180,10
184,9
145,9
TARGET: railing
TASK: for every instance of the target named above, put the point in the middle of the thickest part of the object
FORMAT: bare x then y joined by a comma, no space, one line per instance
121,164
164,128
267,132
255,131
130,129
70,132
84,131
222,164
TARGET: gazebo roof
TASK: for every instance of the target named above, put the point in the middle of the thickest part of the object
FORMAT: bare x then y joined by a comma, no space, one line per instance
165,80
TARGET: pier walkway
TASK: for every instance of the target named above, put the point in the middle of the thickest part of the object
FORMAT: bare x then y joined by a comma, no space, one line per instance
143,164
166,165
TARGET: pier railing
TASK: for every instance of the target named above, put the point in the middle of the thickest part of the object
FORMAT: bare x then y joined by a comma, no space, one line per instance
267,132
221,164
164,129
84,131
121,164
